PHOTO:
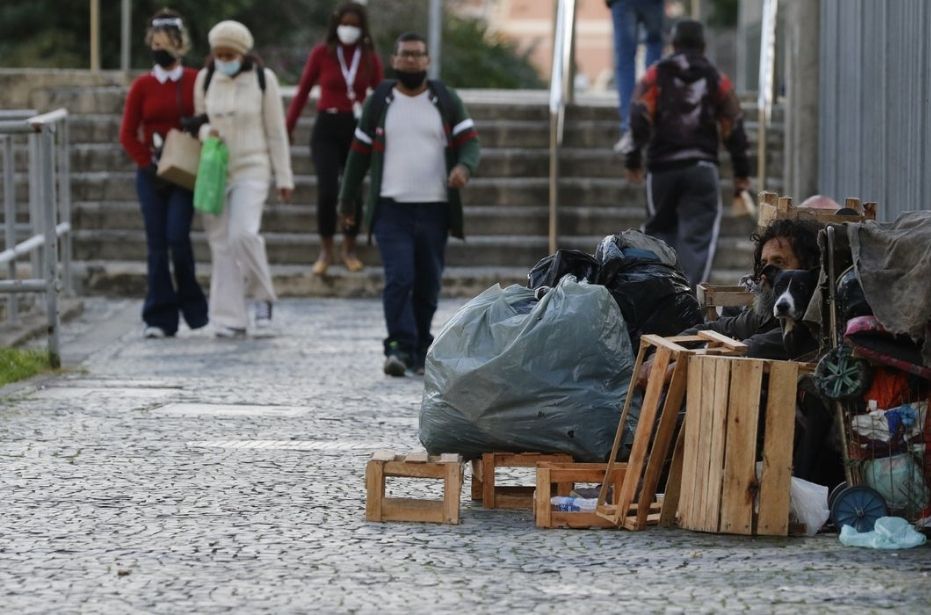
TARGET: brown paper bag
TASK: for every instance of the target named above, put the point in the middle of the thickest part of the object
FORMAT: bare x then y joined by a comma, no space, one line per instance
180,158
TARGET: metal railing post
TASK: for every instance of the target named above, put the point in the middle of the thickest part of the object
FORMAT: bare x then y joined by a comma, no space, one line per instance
47,196
35,259
64,200
9,220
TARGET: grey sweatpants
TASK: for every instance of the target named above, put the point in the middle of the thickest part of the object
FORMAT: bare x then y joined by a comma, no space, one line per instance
684,208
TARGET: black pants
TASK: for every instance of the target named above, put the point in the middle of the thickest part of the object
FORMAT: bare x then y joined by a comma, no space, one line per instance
329,148
684,207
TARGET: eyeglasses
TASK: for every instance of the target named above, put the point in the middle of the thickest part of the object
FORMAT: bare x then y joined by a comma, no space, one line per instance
411,55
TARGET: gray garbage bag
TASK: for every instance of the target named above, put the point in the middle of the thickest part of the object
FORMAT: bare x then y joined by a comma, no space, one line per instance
509,373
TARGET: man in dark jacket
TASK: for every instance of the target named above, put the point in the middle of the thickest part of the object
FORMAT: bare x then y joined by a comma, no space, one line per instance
678,109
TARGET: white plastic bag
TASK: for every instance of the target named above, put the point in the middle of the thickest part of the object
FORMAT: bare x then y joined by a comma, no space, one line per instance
888,533
808,502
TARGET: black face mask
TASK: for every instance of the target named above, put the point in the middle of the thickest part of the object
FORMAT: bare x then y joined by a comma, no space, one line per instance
163,57
411,81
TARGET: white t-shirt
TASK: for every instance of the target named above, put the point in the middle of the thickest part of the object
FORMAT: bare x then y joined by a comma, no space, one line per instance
415,160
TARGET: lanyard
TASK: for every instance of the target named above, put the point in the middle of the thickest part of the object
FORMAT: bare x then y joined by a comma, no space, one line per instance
349,74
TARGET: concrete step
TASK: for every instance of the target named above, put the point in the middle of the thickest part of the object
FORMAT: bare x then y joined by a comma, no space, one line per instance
302,248
496,162
480,219
127,279
513,191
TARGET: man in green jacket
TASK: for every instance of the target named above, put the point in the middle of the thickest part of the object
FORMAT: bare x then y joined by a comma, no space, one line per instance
421,146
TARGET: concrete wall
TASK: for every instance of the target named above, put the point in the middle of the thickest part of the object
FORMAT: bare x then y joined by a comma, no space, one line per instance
47,89
875,111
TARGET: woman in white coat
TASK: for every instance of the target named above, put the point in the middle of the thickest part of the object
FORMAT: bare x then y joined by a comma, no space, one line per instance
242,103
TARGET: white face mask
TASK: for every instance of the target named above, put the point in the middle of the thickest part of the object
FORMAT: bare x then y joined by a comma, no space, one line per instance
348,35
228,68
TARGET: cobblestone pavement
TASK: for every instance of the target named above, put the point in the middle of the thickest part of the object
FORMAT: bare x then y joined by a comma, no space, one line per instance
118,495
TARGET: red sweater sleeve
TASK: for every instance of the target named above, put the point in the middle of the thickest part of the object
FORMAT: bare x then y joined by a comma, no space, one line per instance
129,129
308,78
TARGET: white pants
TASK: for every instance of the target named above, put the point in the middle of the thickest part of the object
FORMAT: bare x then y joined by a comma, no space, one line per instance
240,264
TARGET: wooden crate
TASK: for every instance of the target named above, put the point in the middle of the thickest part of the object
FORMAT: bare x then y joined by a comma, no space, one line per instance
719,482
774,207
564,476
710,297
447,468
483,478
639,499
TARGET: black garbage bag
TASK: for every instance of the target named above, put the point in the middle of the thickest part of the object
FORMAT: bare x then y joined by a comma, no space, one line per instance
549,270
642,275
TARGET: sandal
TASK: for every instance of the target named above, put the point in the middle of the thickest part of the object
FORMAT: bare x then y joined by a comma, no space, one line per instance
353,263
321,266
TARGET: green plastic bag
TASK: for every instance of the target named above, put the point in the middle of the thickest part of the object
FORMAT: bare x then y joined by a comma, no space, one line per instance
210,187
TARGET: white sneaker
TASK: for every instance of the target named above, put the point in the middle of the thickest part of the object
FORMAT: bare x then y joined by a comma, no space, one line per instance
154,333
229,332
625,144
263,314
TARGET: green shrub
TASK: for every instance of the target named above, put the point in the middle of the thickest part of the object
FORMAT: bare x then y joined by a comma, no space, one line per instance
19,364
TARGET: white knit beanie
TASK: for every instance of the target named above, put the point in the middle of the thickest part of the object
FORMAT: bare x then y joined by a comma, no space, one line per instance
231,34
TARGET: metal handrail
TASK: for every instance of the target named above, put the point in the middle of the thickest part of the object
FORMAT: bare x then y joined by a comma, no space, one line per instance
561,94
49,213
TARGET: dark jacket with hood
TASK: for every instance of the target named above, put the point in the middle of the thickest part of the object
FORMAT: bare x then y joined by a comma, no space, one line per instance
677,111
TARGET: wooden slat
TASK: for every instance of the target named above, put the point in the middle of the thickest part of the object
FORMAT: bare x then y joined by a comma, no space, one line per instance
513,501
451,493
740,452
692,428
717,429
450,458
673,483
582,472
407,509
383,455
527,460
644,431
773,519
488,480
602,506
477,480
703,457
542,508
666,343
577,520
374,490
665,433
417,457
728,342
414,470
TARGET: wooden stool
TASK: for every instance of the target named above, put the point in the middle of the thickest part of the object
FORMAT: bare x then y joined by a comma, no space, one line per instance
483,478
446,467
565,475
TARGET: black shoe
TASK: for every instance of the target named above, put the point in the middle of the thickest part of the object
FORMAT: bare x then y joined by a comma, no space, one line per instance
395,366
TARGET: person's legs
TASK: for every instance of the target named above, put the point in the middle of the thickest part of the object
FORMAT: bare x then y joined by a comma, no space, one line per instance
699,220
247,199
325,152
394,233
227,307
431,232
624,20
662,206
160,308
345,134
191,298
651,16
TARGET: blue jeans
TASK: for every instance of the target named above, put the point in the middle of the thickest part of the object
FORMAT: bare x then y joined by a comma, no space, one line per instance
412,241
627,16
168,211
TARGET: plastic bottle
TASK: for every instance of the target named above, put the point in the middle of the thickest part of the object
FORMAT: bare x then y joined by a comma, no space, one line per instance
570,504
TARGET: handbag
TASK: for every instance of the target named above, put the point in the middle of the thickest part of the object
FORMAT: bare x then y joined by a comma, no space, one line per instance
180,159
210,187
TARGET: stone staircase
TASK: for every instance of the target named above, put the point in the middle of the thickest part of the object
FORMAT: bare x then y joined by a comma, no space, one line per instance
506,203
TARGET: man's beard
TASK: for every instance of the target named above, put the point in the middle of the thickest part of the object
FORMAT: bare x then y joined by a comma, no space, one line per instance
763,301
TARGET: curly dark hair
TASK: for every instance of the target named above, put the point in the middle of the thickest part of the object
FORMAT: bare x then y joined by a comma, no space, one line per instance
365,41
802,235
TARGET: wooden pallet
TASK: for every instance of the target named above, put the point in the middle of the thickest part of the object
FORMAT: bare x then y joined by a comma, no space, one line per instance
719,481
383,464
710,297
564,476
638,498
774,207
491,496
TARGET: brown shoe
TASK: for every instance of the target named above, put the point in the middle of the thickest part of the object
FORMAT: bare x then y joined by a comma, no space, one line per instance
353,263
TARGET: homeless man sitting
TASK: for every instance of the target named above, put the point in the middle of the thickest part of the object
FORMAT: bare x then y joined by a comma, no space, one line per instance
783,245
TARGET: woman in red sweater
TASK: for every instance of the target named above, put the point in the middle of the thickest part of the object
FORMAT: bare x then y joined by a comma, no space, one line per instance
345,66
155,104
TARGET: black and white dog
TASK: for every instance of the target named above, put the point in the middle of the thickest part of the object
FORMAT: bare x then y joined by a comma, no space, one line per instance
792,290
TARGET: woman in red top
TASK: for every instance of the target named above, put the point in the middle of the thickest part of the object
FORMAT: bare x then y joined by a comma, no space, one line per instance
345,66
155,104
